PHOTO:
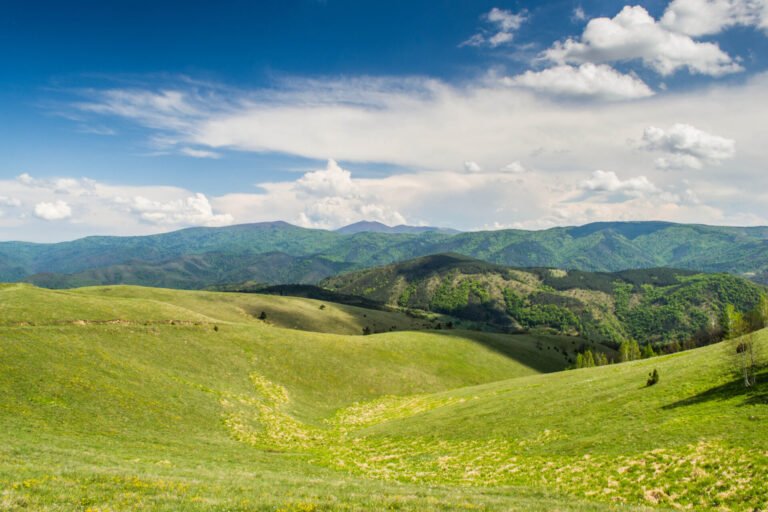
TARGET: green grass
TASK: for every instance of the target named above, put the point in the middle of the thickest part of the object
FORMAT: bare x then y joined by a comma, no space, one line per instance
21,303
99,415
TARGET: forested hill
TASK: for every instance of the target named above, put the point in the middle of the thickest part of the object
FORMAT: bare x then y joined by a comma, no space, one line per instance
191,258
658,305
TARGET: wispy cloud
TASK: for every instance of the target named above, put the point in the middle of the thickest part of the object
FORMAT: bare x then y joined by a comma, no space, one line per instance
502,25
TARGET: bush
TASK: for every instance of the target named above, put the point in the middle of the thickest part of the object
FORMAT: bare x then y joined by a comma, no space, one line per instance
653,378
366,330
263,316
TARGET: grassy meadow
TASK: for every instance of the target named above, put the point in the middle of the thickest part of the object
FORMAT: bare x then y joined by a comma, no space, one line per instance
126,398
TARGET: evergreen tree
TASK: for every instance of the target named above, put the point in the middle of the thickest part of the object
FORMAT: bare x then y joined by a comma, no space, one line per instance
589,359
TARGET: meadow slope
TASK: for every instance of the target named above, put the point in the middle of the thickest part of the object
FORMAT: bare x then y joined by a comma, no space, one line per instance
113,400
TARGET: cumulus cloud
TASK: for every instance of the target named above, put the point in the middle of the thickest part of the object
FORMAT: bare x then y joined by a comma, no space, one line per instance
608,181
588,80
707,17
634,34
687,146
331,181
471,166
503,25
330,198
195,210
53,211
93,208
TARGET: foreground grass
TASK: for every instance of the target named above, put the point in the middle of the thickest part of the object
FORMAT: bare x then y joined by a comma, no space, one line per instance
128,416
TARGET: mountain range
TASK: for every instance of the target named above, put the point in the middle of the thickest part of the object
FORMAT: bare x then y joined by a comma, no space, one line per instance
278,252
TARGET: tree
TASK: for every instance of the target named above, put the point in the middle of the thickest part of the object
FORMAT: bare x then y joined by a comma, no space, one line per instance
648,351
732,322
761,311
601,359
741,329
746,357
263,316
653,378
629,350
589,359
366,330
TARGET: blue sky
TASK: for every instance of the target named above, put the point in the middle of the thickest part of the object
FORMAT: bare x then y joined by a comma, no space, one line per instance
140,117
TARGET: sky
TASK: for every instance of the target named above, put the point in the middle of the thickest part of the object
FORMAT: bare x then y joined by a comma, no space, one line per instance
131,118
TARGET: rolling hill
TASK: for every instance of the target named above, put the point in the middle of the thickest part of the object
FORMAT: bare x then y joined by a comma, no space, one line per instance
278,253
127,398
657,305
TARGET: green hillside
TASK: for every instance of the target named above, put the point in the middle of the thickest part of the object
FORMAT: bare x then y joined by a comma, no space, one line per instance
657,305
195,271
114,399
152,306
160,411
278,253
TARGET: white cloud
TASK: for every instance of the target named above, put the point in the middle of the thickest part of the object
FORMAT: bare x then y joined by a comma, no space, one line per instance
53,211
514,167
578,14
707,17
194,210
608,181
471,166
687,146
199,153
419,123
331,181
635,34
586,81
93,208
9,201
335,200
26,179
504,23
425,127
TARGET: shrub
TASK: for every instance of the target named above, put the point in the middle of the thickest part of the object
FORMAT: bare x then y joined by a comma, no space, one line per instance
263,316
653,378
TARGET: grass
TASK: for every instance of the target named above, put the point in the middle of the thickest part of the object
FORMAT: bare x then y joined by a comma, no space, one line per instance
152,305
130,415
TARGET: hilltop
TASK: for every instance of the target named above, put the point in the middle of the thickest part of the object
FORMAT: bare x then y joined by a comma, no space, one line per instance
658,305
125,397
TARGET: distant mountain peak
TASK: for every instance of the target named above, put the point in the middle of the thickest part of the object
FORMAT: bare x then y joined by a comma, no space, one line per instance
367,226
